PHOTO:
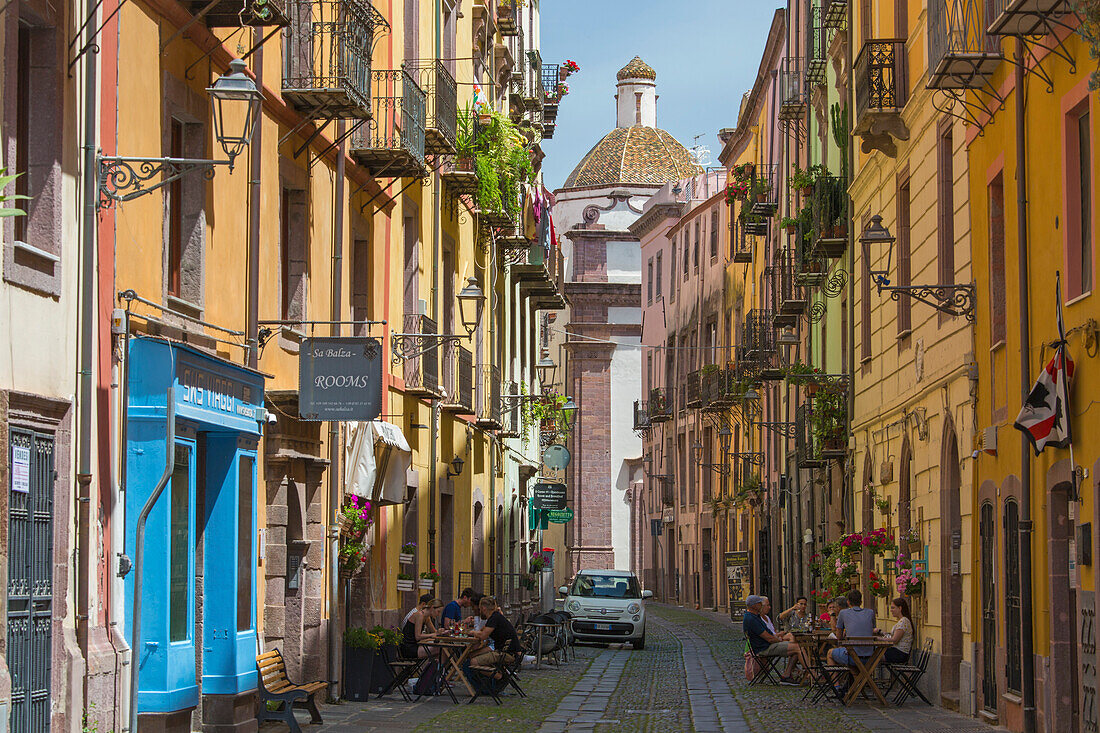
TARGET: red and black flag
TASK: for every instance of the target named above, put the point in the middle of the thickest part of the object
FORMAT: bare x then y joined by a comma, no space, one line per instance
1045,415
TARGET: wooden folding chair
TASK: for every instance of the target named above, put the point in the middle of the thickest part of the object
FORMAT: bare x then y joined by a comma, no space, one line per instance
907,674
402,669
766,664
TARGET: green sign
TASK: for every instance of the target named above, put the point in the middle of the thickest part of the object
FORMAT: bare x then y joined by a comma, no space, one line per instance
559,516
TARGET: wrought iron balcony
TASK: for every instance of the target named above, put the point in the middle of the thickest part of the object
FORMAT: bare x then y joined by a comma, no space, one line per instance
789,296
829,213
882,87
231,13
327,56
392,143
1028,17
756,348
693,393
834,13
551,77
792,91
441,114
489,406
547,292
641,416
722,387
764,189
458,379
816,43
660,404
805,451
507,18
962,55
740,247
421,372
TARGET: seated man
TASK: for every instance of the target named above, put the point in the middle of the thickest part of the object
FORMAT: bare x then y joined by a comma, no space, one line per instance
854,621
452,612
765,643
498,630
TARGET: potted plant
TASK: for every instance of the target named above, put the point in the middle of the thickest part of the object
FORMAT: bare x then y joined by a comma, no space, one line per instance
408,553
883,504
466,140
760,189
405,582
360,649
791,225
910,538
804,180
429,578
569,67
879,587
908,582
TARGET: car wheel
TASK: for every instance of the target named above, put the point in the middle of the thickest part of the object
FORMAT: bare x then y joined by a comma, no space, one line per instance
639,643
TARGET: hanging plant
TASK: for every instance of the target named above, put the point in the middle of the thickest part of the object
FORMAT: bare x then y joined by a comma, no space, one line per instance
1089,29
879,586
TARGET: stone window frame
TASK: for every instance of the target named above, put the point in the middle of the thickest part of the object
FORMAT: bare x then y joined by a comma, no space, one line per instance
190,109
36,264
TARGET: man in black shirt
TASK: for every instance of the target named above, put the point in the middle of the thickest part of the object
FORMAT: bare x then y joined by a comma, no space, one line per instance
500,630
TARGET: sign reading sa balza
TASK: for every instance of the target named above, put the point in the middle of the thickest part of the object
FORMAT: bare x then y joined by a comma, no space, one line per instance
340,378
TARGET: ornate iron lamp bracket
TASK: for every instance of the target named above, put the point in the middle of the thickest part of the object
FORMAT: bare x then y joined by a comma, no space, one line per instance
123,179
786,429
755,458
954,300
405,346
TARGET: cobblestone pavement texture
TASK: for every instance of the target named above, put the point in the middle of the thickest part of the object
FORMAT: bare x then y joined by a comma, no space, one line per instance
690,677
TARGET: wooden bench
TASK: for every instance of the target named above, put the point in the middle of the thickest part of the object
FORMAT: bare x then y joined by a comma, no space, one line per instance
275,686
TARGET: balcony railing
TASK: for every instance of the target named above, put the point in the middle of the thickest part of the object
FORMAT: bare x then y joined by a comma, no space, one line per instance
392,143
882,79
488,398
641,415
458,379
816,43
792,90
740,247
962,55
511,416
231,14
805,451
1028,17
756,348
834,13
764,189
789,295
693,393
326,57
551,77
441,115
421,372
660,404
829,213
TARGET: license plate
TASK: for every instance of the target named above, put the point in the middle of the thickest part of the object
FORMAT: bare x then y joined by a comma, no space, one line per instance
603,627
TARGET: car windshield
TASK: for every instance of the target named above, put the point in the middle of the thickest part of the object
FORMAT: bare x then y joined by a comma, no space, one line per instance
606,586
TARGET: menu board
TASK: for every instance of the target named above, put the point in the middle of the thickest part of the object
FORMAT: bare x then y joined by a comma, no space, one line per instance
738,566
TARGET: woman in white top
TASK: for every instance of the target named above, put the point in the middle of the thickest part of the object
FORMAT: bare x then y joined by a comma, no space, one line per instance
901,635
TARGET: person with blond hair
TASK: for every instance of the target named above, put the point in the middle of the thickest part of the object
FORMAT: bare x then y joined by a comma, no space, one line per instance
506,644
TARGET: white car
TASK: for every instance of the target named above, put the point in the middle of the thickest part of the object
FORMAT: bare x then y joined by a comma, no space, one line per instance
607,606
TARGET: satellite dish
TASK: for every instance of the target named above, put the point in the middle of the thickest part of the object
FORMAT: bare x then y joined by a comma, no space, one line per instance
556,457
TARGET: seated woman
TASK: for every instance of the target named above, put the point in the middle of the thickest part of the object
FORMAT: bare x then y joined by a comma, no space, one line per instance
797,617
420,627
901,635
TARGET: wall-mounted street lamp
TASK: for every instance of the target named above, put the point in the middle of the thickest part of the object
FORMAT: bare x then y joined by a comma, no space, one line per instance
456,463
878,245
569,412
471,305
546,369
722,467
123,179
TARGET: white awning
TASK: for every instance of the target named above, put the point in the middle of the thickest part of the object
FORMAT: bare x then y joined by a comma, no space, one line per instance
376,459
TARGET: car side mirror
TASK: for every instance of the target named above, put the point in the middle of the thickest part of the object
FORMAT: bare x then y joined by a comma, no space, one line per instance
647,594
563,590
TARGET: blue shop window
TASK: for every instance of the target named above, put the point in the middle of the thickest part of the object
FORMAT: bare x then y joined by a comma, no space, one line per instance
245,483
179,582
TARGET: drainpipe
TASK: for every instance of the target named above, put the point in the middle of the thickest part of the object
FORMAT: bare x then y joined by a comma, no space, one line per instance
89,323
255,160
139,554
437,234
335,616
1026,646
851,165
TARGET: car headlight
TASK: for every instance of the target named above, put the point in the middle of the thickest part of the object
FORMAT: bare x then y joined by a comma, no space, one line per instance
633,608
573,606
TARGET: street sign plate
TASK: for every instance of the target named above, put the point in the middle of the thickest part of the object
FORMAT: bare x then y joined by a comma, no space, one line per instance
548,496
559,516
340,379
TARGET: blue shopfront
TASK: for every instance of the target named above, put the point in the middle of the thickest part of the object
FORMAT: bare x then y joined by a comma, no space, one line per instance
198,586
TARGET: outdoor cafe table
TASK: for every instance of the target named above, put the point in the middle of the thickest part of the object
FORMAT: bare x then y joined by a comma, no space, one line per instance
864,675
455,649
811,643
541,629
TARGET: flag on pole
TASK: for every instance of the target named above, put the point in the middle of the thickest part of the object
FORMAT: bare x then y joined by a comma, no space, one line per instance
1045,415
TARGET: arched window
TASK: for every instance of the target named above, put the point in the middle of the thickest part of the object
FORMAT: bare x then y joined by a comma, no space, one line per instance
1012,596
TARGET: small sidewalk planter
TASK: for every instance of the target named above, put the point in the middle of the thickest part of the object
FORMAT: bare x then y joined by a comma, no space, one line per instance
365,668
405,582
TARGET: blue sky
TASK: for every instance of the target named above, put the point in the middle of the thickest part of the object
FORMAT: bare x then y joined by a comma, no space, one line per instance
705,53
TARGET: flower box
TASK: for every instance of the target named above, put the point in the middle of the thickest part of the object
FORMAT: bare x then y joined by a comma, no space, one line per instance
406,558
405,586
427,584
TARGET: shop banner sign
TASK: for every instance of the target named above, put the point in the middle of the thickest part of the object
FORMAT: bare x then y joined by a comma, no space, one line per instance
340,378
559,516
738,579
549,496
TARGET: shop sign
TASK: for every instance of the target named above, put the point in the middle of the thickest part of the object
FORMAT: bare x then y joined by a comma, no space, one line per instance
549,496
340,378
20,469
559,516
738,578
214,391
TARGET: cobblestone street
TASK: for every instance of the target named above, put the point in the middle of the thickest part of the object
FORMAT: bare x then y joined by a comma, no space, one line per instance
690,677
